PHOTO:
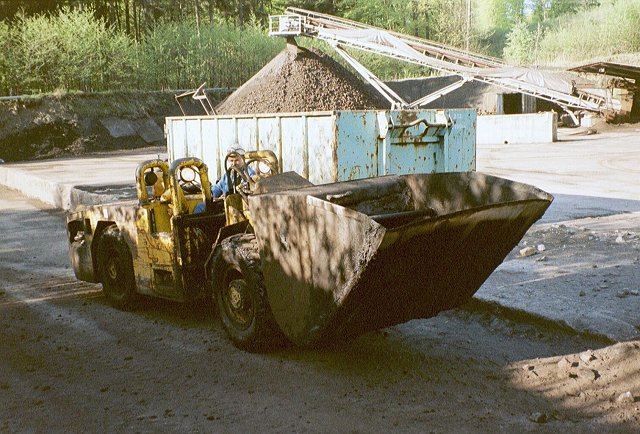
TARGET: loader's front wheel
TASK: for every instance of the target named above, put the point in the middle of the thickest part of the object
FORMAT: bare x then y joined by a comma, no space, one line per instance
240,296
238,303
116,269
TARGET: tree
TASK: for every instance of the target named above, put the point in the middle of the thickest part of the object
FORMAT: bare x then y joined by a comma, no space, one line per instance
9,8
322,6
520,45
388,14
499,14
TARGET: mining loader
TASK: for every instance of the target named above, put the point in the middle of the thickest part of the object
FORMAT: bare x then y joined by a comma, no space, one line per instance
287,261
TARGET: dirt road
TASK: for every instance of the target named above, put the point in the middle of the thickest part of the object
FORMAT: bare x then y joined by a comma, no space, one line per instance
72,363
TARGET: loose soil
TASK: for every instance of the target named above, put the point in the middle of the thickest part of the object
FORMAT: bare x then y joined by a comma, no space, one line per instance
53,126
301,80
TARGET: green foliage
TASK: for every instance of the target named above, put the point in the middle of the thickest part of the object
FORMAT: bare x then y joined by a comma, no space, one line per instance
322,6
499,14
610,29
8,78
74,50
520,45
388,14
70,51
544,10
449,22
175,56
176,45
493,42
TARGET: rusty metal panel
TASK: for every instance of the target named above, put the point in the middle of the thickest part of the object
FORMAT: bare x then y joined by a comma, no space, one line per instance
321,141
312,250
327,147
294,141
409,148
460,142
427,141
356,145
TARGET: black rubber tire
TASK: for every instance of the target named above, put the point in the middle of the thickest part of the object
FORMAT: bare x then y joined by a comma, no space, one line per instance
116,269
236,271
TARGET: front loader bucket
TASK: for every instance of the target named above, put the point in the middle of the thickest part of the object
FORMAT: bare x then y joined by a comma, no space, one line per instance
342,259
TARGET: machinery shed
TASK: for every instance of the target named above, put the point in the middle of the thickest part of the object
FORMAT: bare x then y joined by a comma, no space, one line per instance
624,82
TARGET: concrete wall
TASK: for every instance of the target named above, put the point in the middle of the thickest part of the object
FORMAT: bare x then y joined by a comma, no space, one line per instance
525,128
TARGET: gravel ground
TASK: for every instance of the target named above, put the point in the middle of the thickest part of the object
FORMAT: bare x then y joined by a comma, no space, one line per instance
72,363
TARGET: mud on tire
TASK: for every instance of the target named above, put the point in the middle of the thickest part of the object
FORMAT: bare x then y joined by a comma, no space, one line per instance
240,296
116,269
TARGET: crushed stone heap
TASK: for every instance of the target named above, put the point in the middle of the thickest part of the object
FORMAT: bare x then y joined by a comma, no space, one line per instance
301,80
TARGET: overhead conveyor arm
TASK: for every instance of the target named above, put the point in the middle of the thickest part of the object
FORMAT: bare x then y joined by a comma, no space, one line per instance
431,48
379,85
341,33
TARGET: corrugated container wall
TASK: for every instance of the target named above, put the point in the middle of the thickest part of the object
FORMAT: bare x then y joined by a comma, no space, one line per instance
335,146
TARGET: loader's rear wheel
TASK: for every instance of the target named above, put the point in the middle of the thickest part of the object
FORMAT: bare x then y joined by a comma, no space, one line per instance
116,269
240,296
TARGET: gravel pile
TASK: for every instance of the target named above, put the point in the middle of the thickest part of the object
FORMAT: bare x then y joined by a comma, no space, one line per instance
301,80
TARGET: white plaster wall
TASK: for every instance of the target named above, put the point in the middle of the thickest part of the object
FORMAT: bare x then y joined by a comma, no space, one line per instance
524,128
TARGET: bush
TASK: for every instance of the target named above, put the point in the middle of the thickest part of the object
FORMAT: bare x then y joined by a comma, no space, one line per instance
607,30
72,50
8,77
176,56
520,45
75,51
